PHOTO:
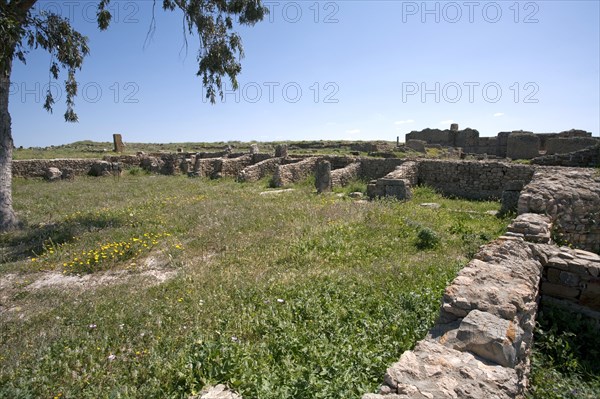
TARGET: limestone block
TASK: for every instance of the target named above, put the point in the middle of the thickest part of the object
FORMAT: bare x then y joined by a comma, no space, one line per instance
52,174
490,337
432,370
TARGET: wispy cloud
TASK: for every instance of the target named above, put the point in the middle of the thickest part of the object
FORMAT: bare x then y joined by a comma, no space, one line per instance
404,122
449,121
499,114
353,131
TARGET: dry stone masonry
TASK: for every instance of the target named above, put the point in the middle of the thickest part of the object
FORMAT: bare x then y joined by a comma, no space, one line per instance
515,145
480,344
571,197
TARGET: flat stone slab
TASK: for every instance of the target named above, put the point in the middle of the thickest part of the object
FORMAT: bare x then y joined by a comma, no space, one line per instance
434,371
217,392
275,192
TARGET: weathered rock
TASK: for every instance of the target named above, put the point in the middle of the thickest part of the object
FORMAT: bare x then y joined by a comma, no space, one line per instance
118,143
489,337
323,176
151,164
52,174
571,198
434,371
217,392
104,168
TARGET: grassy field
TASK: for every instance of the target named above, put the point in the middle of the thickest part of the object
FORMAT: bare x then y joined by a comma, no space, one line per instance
95,149
155,286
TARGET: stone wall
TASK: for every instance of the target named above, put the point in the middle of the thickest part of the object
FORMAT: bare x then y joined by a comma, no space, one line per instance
571,197
38,167
260,170
562,145
341,177
588,157
522,145
487,145
480,180
480,344
374,168
468,139
396,184
294,172
571,276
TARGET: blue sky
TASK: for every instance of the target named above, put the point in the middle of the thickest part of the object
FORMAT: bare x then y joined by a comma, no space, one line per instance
358,70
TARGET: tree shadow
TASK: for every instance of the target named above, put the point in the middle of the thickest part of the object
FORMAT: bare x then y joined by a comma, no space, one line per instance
31,240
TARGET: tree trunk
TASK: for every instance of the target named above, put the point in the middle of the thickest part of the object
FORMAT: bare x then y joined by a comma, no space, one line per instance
8,219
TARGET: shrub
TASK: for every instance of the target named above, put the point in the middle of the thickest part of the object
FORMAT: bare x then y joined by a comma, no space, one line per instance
427,238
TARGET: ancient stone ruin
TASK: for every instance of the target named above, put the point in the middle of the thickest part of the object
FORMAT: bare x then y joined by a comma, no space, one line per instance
514,145
480,344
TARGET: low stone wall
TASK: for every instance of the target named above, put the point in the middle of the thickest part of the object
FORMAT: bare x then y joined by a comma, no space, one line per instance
259,170
38,167
571,197
588,157
479,180
480,344
294,172
571,275
523,145
125,160
374,168
397,183
564,145
341,177
231,167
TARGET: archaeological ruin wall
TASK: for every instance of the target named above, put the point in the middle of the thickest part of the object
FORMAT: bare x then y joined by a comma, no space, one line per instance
515,145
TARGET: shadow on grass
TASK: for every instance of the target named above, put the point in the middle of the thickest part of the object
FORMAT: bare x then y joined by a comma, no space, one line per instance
32,240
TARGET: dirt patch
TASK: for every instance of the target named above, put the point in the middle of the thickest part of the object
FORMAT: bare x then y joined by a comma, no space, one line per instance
15,289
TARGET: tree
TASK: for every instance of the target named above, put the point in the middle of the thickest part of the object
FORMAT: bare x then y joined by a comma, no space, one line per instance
22,30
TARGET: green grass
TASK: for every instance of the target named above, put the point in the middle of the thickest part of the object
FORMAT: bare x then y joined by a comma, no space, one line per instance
566,356
292,295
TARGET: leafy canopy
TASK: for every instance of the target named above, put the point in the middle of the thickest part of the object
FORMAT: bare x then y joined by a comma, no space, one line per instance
22,30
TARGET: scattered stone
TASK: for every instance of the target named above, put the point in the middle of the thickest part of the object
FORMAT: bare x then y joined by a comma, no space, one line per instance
355,194
275,192
217,392
431,205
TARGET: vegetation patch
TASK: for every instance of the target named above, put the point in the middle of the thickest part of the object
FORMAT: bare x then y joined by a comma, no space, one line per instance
565,361
283,296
